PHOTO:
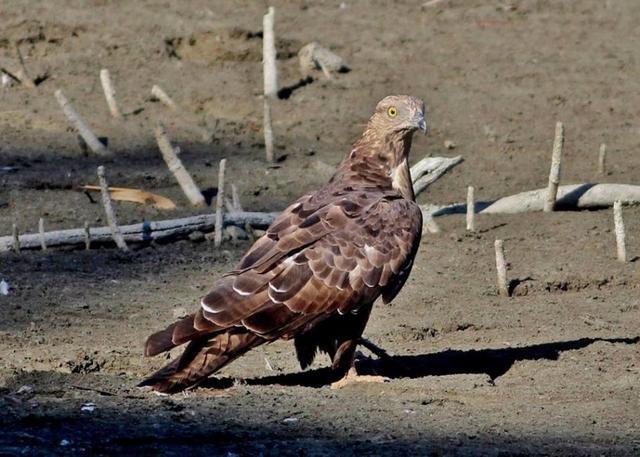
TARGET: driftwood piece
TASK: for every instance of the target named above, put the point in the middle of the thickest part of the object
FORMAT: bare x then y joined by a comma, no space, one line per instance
109,212
428,170
217,240
143,232
554,172
315,57
81,127
570,197
109,93
174,164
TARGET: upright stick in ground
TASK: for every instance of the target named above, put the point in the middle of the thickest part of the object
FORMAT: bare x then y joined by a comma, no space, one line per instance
78,123
602,160
217,241
619,229
43,243
108,210
270,78
554,173
109,93
87,236
22,73
501,269
16,238
189,119
174,164
471,210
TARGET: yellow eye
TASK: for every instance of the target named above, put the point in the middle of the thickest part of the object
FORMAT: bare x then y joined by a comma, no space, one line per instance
392,111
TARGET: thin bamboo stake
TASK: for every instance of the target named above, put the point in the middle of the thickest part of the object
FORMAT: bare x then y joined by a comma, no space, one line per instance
16,238
87,236
43,243
109,93
217,241
269,54
268,130
78,123
554,173
22,73
108,210
270,74
501,269
161,95
602,159
619,229
471,210
188,118
174,164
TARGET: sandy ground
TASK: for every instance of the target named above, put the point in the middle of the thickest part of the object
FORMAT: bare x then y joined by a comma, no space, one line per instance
554,370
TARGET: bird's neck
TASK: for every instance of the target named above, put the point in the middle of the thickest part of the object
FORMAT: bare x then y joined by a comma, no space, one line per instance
381,161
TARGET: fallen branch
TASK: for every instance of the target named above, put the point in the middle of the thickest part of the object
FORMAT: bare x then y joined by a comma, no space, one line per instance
78,123
428,170
143,232
569,198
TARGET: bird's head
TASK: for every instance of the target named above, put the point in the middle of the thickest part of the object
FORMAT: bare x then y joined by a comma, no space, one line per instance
399,114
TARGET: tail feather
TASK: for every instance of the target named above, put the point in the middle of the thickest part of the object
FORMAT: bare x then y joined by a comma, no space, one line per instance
201,358
186,329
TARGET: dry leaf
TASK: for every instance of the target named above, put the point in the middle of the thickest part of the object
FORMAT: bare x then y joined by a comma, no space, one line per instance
137,196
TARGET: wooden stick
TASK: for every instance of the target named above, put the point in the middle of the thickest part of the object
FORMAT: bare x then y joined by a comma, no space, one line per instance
235,198
108,210
161,95
15,236
602,159
554,173
142,232
471,210
43,243
174,164
87,236
270,74
217,241
619,229
269,55
109,93
268,130
501,269
22,73
78,123
188,118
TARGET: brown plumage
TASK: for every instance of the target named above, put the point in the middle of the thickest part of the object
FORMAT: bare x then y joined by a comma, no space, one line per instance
316,272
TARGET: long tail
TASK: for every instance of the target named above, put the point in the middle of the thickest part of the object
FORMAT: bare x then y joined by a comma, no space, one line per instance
204,355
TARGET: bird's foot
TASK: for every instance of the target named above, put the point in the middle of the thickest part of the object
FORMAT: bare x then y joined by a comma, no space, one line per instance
352,377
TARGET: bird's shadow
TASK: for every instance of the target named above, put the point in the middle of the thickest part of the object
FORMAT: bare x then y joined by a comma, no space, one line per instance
492,362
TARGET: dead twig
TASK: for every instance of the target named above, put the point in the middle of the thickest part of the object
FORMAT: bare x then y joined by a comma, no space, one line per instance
109,93
108,210
554,173
174,164
471,210
81,127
